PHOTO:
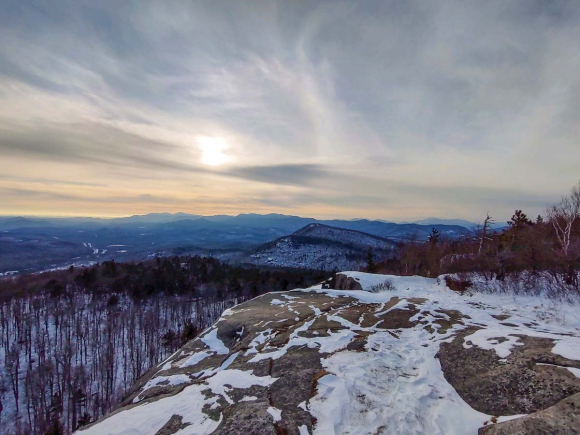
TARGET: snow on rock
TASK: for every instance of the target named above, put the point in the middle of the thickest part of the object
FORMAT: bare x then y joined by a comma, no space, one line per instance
228,362
493,338
214,343
248,399
149,418
411,382
413,358
568,348
227,380
275,413
194,359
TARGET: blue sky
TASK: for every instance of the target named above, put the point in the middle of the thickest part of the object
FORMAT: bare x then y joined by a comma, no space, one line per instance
383,109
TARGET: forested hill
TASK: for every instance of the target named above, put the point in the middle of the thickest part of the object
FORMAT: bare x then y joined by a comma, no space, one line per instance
72,342
322,247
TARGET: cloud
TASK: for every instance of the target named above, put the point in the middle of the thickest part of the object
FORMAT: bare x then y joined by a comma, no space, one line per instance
291,174
29,194
435,108
47,181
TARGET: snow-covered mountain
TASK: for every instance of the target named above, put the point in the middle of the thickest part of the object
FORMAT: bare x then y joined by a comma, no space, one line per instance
320,246
406,355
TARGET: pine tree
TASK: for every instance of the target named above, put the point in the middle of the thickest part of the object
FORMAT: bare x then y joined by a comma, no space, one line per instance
371,266
434,237
519,220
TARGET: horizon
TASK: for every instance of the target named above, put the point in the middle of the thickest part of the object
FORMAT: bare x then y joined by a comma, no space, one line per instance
414,221
435,109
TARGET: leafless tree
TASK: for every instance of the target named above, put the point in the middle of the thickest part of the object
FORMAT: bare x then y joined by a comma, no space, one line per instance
484,232
562,217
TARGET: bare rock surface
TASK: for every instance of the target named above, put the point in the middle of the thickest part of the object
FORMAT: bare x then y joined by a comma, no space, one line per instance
562,418
530,379
418,358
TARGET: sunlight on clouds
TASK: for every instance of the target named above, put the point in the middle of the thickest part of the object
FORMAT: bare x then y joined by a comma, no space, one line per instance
213,150
282,111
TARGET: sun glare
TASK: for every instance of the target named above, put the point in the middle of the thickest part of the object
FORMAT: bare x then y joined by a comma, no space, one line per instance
213,150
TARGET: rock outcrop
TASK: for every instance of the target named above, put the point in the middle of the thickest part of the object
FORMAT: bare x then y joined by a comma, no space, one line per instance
418,358
340,281
530,379
561,419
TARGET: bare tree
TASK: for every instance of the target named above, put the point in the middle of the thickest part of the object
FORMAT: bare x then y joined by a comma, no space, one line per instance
483,233
563,215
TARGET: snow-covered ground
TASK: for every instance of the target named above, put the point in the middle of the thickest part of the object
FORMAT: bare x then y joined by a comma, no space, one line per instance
411,395
394,385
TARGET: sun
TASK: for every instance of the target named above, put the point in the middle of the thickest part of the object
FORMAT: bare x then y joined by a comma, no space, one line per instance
213,150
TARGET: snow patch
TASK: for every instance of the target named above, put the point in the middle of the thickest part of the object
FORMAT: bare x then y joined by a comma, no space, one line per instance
568,348
195,358
275,413
248,399
214,343
225,380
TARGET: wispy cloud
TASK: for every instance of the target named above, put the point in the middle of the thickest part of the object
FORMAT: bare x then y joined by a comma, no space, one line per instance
439,108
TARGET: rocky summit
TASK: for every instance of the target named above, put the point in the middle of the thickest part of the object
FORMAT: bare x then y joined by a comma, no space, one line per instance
391,355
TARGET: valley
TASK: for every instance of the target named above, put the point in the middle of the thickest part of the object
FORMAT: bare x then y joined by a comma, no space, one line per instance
33,245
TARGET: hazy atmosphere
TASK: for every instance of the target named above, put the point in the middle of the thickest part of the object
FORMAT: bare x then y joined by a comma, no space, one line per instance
300,217
392,110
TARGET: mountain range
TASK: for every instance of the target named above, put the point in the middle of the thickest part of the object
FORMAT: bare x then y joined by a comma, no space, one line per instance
461,222
33,244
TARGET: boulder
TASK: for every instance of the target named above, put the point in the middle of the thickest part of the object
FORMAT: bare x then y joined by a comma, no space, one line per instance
340,281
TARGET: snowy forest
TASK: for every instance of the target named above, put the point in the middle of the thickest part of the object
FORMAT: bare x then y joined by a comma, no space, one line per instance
73,342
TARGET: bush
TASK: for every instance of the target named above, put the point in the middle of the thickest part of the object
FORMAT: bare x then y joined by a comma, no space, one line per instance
457,285
384,286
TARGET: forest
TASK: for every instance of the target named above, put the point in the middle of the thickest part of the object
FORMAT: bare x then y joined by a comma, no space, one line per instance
529,255
73,342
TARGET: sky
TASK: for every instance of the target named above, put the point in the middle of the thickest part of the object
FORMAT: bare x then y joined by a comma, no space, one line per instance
395,110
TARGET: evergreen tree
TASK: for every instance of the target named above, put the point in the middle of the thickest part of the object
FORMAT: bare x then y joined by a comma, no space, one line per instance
434,237
519,220
371,266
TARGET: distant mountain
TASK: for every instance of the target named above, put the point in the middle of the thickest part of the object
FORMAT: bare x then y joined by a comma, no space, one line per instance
341,235
321,247
30,244
10,223
399,231
285,223
461,222
439,221
154,218
279,221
